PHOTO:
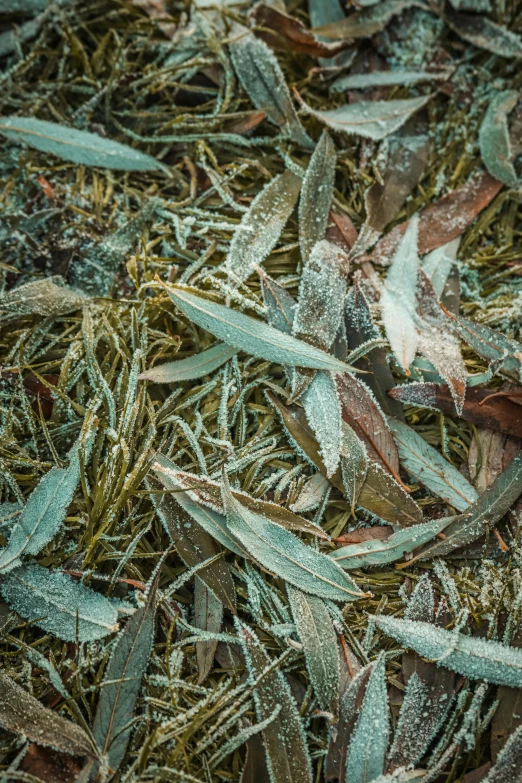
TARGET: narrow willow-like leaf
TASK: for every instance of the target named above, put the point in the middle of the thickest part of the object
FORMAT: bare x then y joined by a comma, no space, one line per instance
279,303
316,195
509,762
254,337
354,465
350,701
369,119
189,369
472,657
59,604
438,264
262,225
22,714
311,494
284,554
77,146
495,146
398,299
480,31
122,682
363,81
262,78
43,514
426,464
366,22
208,615
317,634
369,741
491,345
284,738
47,298
323,411
378,552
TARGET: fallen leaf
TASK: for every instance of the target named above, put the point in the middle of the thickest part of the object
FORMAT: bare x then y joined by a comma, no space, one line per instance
495,145
282,31
366,22
191,368
316,195
480,31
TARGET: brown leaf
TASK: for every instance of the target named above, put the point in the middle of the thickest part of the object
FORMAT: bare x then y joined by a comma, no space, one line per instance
49,765
497,413
255,769
477,775
248,123
497,450
376,532
281,31
348,714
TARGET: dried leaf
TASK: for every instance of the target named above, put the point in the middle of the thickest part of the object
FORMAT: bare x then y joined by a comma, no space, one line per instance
254,337
491,345
21,713
189,369
208,615
367,21
281,31
77,146
49,765
472,657
323,411
478,30
59,604
47,298
261,226
509,761
495,146
316,195
317,634
369,741
350,703
497,451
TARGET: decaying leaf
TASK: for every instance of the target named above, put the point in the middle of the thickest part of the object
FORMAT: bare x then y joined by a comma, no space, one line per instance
495,146
507,767
367,21
281,31
489,455
47,298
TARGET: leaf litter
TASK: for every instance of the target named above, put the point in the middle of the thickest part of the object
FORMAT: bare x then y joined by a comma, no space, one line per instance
260,416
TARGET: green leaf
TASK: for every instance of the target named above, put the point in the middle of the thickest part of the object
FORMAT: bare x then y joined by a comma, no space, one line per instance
366,22
369,119
208,615
478,30
323,411
122,682
363,81
77,146
367,750
284,554
59,604
261,226
316,195
354,465
495,146
426,464
439,263
472,657
196,366
22,714
317,634
279,303
254,337
491,345
48,298
284,738
377,552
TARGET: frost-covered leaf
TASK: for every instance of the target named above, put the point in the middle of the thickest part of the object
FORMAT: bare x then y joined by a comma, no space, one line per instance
22,714
489,454
379,552
369,742
385,497
261,226
208,615
426,464
317,634
495,146
350,701
59,604
284,738
279,303
354,465
509,762
311,494
189,369
77,146
47,298
480,31
470,656
398,298
121,685
289,32
363,81
438,264
369,119
367,21
316,195
284,554
263,80
254,337
491,345
323,411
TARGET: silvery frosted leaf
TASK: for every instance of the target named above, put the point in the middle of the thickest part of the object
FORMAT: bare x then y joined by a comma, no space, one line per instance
491,345
43,514
438,264
311,494
121,685
189,369
59,604
317,634
378,552
495,146
426,464
279,303
284,554
369,119
398,300
323,411
478,30
208,615
77,146
262,78
22,714
47,298
350,700
421,605
470,656
369,741
262,225
363,81
509,762
316,195
321,296
354,465
284,738
385,497
367,21
324,12
254,337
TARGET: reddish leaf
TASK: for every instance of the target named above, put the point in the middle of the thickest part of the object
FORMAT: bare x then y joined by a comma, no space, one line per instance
49,765
376,532
281,31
